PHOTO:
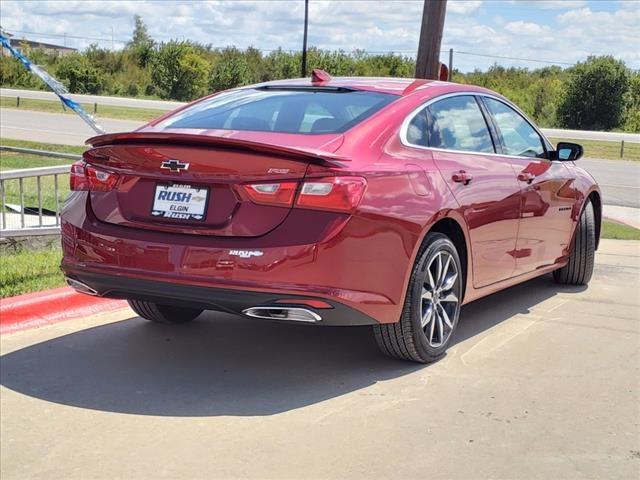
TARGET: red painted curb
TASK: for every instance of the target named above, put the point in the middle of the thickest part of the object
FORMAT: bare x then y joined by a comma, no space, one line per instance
50,306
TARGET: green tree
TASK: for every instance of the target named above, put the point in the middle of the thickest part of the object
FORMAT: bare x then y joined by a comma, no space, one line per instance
632,117
178,72
280,64
231,70
141,44
77,73
595,94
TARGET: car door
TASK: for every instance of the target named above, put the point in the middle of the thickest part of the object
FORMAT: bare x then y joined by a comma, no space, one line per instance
484,185
547,194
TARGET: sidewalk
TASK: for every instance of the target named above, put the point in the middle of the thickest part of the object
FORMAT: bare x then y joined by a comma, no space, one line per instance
627,215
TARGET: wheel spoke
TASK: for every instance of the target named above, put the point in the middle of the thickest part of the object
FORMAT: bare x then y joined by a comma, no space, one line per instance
427,316
433,324
439,270
450,281
427,295
441,330
430,281
445,317
445,270
449,298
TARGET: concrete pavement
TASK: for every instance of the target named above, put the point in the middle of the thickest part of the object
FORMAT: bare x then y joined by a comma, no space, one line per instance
627,215
542,382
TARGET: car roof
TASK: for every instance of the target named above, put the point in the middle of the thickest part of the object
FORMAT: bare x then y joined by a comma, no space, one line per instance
396,86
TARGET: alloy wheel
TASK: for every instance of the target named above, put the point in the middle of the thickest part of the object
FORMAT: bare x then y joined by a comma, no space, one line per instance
440,298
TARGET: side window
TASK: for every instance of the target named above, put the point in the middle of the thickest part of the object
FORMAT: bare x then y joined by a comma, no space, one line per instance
518,135
417,129
456,123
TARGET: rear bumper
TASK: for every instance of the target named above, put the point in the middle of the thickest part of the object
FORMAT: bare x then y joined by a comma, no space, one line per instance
338,261
209,298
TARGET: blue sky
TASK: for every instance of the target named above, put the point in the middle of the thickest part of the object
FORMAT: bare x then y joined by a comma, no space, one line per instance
562,31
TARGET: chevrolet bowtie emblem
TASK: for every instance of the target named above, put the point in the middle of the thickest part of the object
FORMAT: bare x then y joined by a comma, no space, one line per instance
174,165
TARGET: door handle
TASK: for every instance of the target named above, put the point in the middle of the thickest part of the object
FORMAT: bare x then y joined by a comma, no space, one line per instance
462,177
526,177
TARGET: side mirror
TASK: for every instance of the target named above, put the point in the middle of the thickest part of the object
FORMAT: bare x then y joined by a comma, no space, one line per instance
567,151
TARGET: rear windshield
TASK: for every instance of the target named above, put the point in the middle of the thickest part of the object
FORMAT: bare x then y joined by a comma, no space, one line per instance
310,111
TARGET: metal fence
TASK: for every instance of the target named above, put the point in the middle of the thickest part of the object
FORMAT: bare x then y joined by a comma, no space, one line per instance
31,198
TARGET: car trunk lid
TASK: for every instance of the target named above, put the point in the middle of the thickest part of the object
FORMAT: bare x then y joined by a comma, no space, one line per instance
201,178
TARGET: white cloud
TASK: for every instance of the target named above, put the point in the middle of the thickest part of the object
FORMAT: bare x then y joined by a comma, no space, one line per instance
526,28
463,7
565,35
558,4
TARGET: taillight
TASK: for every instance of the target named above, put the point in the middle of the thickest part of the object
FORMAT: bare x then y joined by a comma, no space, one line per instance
342,194
87,177
280,194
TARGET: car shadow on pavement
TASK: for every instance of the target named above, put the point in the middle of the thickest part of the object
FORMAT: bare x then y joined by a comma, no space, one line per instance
481,315
225,365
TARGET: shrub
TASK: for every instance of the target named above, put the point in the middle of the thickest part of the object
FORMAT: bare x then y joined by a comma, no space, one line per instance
231,70
77,73
595,95
178,72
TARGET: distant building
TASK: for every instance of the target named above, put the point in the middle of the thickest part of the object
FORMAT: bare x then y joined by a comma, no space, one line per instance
49,48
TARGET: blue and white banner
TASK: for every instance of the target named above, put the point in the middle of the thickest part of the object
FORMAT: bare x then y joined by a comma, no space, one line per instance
55,85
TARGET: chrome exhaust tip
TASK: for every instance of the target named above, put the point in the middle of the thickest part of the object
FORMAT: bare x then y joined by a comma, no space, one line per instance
80,287
293,314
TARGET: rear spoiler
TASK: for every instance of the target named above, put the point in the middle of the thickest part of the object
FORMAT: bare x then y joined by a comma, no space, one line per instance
296,153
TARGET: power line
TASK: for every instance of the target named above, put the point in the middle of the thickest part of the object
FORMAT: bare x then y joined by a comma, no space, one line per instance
268,50
60,35
512,58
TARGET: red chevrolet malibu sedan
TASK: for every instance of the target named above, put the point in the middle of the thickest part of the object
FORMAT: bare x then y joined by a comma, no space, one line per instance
344,201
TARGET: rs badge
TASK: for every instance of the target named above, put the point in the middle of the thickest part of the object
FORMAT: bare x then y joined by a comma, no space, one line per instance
246,253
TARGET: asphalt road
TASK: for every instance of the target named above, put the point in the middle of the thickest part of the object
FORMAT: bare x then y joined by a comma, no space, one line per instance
54,127
541,382
101,100
620,180
585,135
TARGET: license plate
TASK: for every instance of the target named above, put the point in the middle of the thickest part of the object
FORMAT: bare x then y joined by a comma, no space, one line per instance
182,202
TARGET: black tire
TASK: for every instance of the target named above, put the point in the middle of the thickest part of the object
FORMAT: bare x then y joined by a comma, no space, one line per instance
163,313
406,339
579,268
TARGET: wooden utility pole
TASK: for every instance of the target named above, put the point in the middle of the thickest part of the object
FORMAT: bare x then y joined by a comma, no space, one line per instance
428,60
304,39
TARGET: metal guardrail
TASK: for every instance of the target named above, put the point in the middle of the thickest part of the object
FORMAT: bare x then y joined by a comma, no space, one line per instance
30,198
44,153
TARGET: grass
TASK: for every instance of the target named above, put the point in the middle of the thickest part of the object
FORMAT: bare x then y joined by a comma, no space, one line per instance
52,147
30,271
604,149
619,231
104,111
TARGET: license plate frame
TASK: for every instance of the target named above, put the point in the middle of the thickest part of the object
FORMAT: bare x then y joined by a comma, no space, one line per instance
176,196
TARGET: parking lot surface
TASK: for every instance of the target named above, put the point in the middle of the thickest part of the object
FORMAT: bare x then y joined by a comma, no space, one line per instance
542,382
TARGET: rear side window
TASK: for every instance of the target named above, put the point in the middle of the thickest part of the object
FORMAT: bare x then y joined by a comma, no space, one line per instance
299,110
518,136
457,123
